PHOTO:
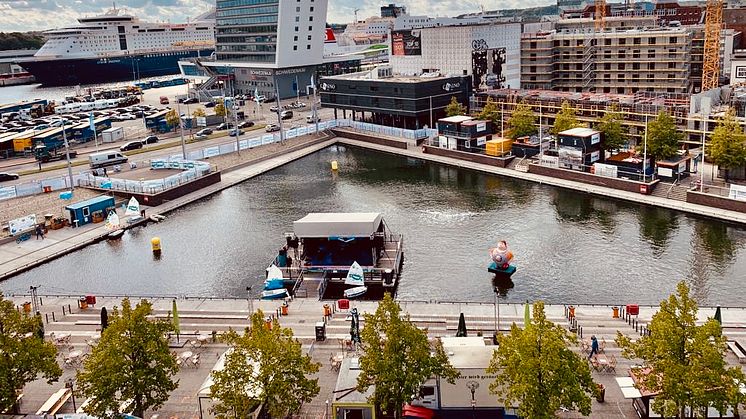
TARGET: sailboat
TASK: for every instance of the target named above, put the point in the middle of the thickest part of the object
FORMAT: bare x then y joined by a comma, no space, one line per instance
113,225
133,210
274,285
355,276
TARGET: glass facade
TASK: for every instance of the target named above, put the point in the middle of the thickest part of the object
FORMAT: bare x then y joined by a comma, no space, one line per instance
246,30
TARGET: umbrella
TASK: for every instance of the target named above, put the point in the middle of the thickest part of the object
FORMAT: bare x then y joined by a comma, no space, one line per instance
104,319
355,326
718,315
527,315
461,331
175,314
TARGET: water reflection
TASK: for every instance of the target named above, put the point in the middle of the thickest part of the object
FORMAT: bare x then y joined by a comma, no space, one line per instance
582,208
657,225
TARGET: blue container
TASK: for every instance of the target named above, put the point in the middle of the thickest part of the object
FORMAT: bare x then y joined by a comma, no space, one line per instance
83,211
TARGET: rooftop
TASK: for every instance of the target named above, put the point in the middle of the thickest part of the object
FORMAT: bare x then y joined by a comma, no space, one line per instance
579,132
337,224
456,119
397,78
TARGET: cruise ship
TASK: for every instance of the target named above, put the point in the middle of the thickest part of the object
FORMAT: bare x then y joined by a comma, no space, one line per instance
117,46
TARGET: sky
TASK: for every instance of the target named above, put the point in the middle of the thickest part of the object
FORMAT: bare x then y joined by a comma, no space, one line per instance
28,15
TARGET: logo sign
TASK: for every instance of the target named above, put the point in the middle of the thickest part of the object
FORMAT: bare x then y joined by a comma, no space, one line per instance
19,225
481,126
481,141
596,138
327,87
595,156
449,87
479,45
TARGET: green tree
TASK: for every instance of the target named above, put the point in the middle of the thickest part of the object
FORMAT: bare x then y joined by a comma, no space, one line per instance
615,134
522,122
728,143
686,361
24,355
132,361
490,113
565,119
220,108
455,108
663,137
263,367
538,371
172,118
398,358
198,112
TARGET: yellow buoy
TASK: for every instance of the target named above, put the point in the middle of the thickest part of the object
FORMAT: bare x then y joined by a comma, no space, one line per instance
155,244
334,165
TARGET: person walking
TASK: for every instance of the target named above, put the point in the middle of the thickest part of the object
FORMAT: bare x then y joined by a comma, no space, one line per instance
39,232
594,347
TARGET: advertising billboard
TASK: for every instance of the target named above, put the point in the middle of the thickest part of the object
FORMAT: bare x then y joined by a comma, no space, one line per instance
487,66
406,43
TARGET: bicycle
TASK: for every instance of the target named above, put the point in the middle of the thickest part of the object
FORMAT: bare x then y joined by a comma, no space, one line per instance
23,237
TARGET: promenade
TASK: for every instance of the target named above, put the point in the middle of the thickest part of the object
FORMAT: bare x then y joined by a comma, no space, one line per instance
202,317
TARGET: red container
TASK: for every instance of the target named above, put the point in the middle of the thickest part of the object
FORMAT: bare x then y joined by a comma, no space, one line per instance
90,299
633,309
343,304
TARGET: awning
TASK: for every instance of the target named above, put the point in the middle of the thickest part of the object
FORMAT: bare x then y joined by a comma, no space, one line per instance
627,385
336,224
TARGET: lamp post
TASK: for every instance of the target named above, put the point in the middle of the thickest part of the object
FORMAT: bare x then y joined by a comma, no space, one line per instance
702,169
70,383
251,303
645,153
181,131
67,154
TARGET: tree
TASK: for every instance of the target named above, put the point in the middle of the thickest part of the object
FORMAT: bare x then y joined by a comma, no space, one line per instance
24,355
565,119
686,361
132,361
198,112
263,367
728,143
172,118
522,122
220,108
615,135
398,358
663,137
455,108
490,112
538,371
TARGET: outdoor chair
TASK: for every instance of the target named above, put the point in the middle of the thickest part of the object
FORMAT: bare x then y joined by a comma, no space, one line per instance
602,346
612,364
195,361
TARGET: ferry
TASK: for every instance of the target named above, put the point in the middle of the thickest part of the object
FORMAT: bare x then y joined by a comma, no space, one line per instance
117,46
339,255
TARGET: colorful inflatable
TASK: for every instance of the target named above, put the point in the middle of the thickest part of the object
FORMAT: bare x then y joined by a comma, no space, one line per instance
501,258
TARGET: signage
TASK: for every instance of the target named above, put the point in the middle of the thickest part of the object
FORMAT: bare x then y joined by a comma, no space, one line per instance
448,87
260,72
607,170
595,156
406,43
737,192
291,71
481,126
596,138
481,141
682,167
327,87
665,172
19,225
201,121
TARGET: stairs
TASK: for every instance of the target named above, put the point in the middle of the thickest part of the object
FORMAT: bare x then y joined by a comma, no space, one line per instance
671,191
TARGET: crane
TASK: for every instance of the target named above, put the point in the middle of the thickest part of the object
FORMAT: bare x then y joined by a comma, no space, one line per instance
356,10
711,57
600,15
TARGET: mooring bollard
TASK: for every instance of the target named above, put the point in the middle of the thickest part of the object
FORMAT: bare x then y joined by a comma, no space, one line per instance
41,301
53,319
63,310
46,316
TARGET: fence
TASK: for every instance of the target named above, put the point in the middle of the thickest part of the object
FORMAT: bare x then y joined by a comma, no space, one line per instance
147,186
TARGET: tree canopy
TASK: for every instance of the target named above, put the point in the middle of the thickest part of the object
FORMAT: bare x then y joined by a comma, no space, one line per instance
24,355
398,358
455,108
522,122
490,113
198,112
537,371
728,143
663,137
20,40
220,108
685,360
172,118
264,366
565,119
132,361
615,134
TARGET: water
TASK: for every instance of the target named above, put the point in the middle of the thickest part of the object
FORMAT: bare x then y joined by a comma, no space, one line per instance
569,247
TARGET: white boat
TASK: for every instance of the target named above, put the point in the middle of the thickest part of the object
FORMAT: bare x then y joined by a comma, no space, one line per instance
355,292
355,276
274,294
115,234
156,218
273,272
133,208
112,221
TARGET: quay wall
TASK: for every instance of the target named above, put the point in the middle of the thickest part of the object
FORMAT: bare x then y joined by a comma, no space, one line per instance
722,202
472,157
607,182
389,142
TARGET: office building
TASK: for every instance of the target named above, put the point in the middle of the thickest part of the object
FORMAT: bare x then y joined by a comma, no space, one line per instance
392,10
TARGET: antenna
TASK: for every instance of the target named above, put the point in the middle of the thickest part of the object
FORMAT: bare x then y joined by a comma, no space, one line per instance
356,10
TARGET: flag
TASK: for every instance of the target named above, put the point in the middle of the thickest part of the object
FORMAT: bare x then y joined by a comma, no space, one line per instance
256,95
313,84
91,122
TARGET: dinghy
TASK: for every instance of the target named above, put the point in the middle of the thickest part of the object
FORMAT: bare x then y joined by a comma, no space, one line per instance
274,285
355,292
355,276
112,224
274,294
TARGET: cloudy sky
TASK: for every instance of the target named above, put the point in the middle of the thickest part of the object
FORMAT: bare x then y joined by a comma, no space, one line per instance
26,15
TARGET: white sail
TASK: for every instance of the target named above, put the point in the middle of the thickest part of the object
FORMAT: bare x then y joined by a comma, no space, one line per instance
355,275
133,207
112,221
273,272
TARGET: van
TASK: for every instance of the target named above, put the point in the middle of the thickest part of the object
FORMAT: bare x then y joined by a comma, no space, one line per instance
164,100
106,158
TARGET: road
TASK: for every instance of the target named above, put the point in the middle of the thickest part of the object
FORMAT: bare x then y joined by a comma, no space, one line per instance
28,168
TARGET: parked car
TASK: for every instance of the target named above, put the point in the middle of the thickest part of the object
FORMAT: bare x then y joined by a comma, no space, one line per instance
273,108
235,132
223,126
127,116
4,176
191,100
132,145
150,139
286,115
199,136
210,105
164,100
272,128
246,124
204,131
41,127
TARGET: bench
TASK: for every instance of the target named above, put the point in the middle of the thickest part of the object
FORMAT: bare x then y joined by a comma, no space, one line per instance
55,402
738,350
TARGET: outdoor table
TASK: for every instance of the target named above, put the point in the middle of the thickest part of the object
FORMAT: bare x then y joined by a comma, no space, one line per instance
203,339
75,354
186,355
62,338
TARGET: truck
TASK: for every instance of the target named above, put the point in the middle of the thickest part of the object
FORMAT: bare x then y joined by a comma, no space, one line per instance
46,154
112,134
106,158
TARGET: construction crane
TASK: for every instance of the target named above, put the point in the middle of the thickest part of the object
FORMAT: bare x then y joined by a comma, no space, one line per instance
711,58
600,15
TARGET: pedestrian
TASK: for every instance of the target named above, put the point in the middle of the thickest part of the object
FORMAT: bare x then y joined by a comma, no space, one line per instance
594,347
105,174
39,232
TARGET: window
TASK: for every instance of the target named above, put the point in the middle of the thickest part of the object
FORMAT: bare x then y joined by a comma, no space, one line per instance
532,69
312,8
295,47
533,45
672,40
309,37
566,43
308,47
651,53
651,66
607,41
607,66
651,40
310,19
621,66
310,28
622,41
297,9
741,72
295,38
297,18
296,29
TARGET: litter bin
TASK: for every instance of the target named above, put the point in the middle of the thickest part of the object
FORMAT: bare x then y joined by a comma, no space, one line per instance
343,304
616,312
27,307
633,309
90,299
571,311
83,303
284,309
320,331
327,310
601,393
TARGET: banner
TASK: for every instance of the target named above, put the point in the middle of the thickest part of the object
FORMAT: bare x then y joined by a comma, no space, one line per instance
406,43
19,225
737,192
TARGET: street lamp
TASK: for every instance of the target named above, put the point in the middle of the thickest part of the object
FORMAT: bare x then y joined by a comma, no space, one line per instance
181,130
67,153
251,303
70,383
497,316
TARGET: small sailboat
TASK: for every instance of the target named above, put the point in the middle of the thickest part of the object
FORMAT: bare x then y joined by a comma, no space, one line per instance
133,210
112,224
274,285
355,276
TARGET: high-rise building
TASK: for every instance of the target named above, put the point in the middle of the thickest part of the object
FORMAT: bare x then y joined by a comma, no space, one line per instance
392,10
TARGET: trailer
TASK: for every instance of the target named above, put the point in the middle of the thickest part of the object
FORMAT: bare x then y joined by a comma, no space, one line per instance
112,134
157,122
82,132
45,154
23,141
